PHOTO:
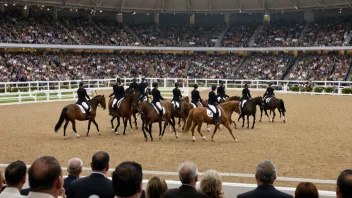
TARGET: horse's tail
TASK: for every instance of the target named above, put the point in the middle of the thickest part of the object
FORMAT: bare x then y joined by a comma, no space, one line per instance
282,106
61,119
189,121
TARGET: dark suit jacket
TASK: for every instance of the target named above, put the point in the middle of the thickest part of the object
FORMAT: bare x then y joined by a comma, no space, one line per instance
264,191
184,192
67,182
25,191
94,184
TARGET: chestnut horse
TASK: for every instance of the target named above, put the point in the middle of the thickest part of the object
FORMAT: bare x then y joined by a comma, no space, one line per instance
185,107
150,116
199,115
72,112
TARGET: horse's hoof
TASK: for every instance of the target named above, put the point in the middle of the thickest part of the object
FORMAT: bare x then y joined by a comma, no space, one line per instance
78,136
99,134
113,129
160,137
272,120
260,120
152,140
284,121
116,133
204,138
136,128
65,138
87,134
236,140
131,130
208,129
212,140
146,140
124,133
194,139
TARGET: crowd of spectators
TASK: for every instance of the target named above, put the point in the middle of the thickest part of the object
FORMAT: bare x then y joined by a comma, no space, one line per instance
330,31
238,35
320,67
116,33
203,35
282,33
45,178
264,66
148,33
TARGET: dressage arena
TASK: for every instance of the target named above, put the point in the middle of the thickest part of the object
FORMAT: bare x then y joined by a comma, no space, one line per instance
314,143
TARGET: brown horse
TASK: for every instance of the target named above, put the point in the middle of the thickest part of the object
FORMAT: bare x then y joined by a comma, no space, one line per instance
250,109
199,115
274,103
185,107
150,116
72,112
124,111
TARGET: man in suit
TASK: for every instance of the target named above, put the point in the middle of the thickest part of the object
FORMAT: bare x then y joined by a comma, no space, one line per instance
45,178
265,176
344,184
127,180
2,180
74,169
96,183
188,174
15,175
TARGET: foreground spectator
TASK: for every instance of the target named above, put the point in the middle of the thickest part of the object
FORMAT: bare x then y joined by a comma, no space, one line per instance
265,176
45,178
2,180
127,180
344,184
15,175
211,184
74,169
188,174
96,183
306,190
156,188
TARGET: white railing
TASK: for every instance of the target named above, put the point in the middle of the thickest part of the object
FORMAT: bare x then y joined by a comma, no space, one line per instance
22,92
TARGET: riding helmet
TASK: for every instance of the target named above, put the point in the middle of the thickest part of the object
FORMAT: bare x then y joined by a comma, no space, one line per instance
176,84
143,79
195,86
81,84
118,80
270,83
213,87
155,84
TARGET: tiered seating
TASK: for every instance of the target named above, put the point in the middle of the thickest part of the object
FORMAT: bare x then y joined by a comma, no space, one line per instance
238,35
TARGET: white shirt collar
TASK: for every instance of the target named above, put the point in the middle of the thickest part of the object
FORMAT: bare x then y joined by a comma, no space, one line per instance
11,190
99,173
39,195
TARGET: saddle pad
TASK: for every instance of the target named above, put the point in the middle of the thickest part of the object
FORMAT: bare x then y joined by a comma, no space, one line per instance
267,100
210,113
243,102
157,110
81,108
193,105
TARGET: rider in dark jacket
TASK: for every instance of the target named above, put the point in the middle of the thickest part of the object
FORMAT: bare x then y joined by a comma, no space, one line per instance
177,96
119,92
268,94
142,86
156,99
246,95
82,95
212,101
221,91
195,96
134,85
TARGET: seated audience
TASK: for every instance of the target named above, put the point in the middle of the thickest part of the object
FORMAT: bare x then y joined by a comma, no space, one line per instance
15,176
238,35
156,188
188,174
45,178
96,183
127,180
344,184
265,176
74,169
306,190
211,184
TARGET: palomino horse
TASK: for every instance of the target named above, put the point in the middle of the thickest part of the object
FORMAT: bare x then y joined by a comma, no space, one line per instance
72,112
185,107
275,103
124,111
149,116
250,109
199,115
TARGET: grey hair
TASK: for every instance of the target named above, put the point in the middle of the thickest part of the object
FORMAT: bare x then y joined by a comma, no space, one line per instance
187,172
266,172
74,165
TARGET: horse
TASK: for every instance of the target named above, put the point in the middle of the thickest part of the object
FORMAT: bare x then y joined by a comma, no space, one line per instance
124,110
72,112
185,107
149,115
274,103
250,109
236,98
199,115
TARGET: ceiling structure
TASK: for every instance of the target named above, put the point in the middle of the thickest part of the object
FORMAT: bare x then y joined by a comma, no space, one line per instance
192,6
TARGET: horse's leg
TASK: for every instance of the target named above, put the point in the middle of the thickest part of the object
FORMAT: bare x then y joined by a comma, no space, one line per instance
253,121
228,128
193,127
65,126
150,132
112,123
184,123
247,121
208,128
143,129
261,114
97,126
135,121
266,113
200,133
274,114
130,120
243,120
161,130
215,129
172,123
283,114
125,119
117,126
74,128
89,122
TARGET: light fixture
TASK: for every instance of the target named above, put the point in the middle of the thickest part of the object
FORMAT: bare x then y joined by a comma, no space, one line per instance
76,10
101,11
25,7
70,9
48,9
134,12
296,7
5,4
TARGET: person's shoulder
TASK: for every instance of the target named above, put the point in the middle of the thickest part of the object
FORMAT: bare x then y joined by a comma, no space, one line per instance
282,194
248,194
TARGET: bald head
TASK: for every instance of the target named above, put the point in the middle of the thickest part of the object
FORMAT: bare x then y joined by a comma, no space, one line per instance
74,166
188,173
266,172
344,184
43,173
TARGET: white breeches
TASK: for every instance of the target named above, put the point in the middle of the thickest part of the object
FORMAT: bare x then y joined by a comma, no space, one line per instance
114,102
176,104
85,105
158,105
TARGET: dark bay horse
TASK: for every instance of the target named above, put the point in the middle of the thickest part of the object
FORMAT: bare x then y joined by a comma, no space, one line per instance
185,107
199,115
150,116
250,109
72,112
124,111
275,103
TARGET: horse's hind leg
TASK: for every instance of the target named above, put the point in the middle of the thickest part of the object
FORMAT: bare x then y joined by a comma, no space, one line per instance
112,123
74,128
261,114
274,114
253,121
247,121
243,120
200,133
89,122
215,129
228,128
96,125
150,132
172,123
208,128
135,121
117,126
125,119
143,129
65,126
130,120
283,114
193,127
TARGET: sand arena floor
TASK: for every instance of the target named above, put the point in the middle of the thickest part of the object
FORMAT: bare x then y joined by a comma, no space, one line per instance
314,143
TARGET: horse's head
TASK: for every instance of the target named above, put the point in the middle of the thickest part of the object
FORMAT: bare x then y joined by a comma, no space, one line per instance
185,99
148,91
133,98
204,102
102,102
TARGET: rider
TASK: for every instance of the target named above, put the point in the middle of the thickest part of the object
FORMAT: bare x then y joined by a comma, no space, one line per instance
119,92
195,95
156,99
221,91
82,95
268,94
134,85
177,96
142,86
212,101
246,95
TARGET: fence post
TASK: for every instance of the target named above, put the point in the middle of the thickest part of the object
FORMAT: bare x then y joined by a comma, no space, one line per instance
19,97
5,88
164,82
37,86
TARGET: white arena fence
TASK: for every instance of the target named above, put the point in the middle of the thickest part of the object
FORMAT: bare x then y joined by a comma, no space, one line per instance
231,189
51,91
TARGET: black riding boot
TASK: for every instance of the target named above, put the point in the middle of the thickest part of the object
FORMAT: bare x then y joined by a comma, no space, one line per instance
88,113
161,116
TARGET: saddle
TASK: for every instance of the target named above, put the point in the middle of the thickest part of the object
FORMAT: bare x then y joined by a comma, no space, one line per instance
82,108
267,100
221,100
243,102
157,110
175,104
118,102
211,111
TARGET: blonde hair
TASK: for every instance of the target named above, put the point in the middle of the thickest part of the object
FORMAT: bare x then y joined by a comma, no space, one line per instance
156,188
211,184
